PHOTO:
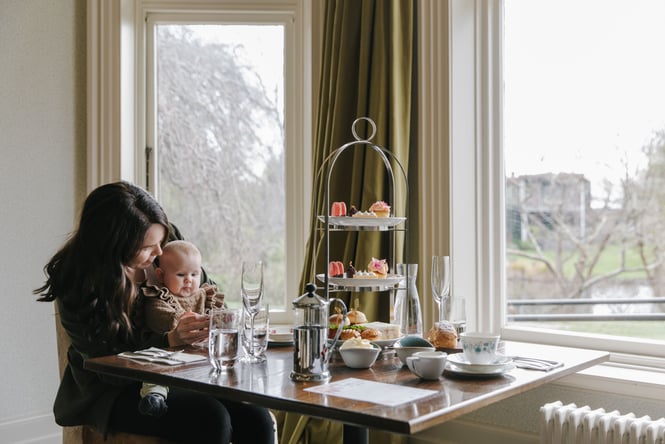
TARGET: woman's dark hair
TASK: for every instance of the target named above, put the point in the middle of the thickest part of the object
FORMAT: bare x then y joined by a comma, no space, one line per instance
88,274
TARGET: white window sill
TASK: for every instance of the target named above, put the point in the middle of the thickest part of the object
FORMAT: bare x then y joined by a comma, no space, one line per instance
636,381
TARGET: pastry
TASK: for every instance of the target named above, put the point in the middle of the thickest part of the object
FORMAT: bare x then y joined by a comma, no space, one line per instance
380,209
371,334
443,335
348,333
378,267
350,270
365,214
338,209
365,275
335,269
356,317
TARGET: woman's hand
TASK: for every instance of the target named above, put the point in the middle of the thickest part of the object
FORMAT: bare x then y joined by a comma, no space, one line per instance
192,327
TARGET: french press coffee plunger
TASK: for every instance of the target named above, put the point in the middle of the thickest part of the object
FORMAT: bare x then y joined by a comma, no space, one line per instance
311,350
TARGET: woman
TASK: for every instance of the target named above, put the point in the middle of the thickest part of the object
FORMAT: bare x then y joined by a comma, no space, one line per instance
94,279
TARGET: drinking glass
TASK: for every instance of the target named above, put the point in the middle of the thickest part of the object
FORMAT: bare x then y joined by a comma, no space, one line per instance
251,287
255,342
223,337
441,283
458,314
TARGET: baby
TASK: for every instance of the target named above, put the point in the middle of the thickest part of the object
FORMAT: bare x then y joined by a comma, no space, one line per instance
176,292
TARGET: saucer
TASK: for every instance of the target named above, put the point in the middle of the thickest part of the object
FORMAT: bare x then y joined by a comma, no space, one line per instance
502,364
452,368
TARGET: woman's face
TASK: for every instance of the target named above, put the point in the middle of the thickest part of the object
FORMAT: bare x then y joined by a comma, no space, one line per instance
151,248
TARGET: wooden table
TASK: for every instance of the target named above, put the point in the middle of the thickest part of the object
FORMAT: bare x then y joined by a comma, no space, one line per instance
269,384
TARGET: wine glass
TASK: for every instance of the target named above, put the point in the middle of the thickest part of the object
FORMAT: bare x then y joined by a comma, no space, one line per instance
441,282
251,288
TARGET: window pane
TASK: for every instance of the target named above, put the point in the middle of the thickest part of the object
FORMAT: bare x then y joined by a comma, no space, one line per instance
220,146
584,121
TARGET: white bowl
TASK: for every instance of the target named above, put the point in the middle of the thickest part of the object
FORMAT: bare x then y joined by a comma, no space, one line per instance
404,352
360,357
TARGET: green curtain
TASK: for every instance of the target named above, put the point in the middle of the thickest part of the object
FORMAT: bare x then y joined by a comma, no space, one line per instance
367,71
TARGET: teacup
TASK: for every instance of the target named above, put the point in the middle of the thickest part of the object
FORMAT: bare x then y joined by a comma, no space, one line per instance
427,364
479,348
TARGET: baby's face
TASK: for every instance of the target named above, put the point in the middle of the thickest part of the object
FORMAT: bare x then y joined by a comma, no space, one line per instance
181,274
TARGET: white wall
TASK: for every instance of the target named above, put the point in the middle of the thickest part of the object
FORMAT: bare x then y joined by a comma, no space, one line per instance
42,128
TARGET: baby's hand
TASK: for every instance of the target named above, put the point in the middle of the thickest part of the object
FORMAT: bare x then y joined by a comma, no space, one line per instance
192,327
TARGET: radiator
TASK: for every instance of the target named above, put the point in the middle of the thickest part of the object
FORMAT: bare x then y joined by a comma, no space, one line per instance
569,424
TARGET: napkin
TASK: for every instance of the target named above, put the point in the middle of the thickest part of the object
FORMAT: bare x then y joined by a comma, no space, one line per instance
535,363
159,356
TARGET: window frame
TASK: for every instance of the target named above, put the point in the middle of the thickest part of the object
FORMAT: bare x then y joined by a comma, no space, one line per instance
117,113
476,30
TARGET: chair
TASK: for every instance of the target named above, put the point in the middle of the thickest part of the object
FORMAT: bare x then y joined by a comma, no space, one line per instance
88,434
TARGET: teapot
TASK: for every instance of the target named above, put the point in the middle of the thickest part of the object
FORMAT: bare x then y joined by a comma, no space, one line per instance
311,350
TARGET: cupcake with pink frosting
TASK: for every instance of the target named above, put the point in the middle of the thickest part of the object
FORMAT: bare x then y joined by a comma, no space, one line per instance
380,208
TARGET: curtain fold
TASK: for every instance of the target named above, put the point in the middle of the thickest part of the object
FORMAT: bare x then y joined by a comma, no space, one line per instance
367,71
368,60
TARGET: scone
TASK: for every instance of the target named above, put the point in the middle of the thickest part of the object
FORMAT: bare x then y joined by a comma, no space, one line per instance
443,335
356,317
349,333
371,334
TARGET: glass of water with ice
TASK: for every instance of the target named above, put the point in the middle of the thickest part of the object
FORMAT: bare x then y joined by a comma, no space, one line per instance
223,339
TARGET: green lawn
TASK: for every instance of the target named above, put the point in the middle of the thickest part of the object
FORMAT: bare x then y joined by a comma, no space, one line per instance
608,262
635,329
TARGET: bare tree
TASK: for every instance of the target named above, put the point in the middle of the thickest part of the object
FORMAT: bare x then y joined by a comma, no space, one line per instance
221,172
564,238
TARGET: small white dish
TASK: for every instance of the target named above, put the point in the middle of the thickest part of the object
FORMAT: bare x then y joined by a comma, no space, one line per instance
359,357
427,364
460,361
458,364
403,352
450,367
